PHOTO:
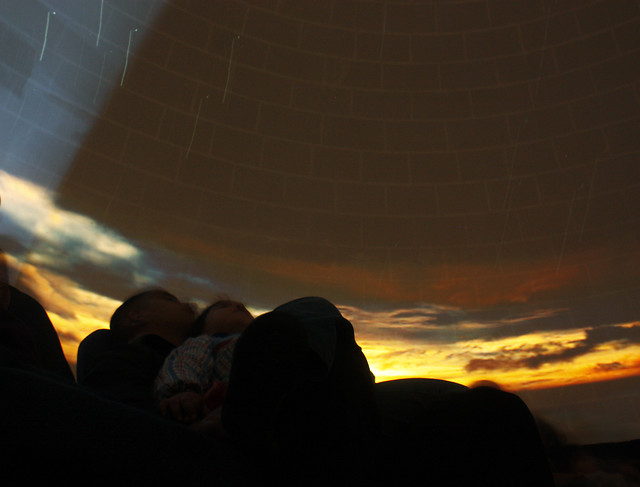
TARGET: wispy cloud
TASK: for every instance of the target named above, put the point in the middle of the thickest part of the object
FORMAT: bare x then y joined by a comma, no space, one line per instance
608,367
539,354
30,210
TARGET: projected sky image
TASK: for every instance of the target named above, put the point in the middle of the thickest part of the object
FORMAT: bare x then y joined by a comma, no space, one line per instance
460,178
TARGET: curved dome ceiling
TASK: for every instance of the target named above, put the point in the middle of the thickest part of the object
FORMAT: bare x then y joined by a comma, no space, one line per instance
462,152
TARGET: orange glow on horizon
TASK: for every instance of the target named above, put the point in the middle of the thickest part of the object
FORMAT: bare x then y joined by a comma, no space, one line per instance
459,284
398,360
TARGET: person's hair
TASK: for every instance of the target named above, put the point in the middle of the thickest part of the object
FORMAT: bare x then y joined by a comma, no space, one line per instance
198,325
120,324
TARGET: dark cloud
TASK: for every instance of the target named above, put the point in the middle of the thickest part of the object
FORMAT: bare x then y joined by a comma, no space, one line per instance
536,356
433,316
13,245
609,367
605,334
595,313
118,278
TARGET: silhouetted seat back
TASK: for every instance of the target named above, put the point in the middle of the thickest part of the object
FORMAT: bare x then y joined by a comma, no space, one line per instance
30,338
94,345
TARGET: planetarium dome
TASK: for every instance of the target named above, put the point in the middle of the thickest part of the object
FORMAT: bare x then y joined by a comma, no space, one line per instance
460,175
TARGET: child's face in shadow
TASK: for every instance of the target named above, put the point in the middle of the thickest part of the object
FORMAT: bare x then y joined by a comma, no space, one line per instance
227,316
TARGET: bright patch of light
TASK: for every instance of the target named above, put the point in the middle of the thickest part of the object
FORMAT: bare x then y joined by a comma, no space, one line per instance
31,208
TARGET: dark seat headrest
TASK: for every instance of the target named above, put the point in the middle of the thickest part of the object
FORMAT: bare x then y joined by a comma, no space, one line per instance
94,344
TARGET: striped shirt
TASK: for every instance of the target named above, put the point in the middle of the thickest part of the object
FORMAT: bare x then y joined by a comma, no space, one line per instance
196,365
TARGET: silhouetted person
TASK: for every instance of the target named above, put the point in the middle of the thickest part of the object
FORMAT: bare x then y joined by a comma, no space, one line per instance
122,363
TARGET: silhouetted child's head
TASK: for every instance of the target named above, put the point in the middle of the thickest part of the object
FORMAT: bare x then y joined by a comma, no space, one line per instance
225,316
156,311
